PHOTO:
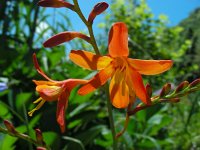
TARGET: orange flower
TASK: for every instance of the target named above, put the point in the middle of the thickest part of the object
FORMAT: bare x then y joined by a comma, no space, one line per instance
52,90
125,73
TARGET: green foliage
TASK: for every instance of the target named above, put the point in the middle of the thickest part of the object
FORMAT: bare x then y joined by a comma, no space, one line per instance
190,67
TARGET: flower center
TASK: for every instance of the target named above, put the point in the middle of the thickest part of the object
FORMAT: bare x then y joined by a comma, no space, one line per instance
121,63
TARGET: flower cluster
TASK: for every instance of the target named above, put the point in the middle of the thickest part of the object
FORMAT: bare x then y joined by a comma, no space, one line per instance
125,73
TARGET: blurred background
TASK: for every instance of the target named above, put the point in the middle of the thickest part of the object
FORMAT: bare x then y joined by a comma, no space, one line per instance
157,30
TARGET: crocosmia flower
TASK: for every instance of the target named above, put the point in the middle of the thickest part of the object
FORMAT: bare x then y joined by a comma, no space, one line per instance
52,90
125,73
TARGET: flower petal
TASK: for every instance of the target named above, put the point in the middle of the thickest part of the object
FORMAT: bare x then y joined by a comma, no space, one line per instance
55,4
44,82
71,83
64,37
49,93
118,40
61,107
119,91
39,70
98,80
138,86
150,67
89,60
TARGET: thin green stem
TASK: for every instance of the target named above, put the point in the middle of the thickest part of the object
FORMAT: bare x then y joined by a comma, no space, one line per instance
93,41
94,45
89,26
26,123
14,112
111,121
22,136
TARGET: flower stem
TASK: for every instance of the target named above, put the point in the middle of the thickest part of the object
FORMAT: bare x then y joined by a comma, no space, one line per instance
111,121
93,41
89,26
94,45
23,136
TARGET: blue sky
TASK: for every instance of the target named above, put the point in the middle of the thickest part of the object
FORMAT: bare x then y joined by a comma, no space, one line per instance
176,10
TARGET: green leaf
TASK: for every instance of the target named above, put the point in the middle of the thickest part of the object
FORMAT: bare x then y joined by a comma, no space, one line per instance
4,113
7,142
75,141
22,99
51,139
89,135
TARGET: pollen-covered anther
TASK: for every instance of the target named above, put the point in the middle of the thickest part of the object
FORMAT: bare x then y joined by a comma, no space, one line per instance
41,103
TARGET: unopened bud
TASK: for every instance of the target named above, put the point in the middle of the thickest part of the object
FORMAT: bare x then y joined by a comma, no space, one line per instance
165,90
149,90
39,136
182,86
10,127
64,37
195,83
55,4
41,148
97,10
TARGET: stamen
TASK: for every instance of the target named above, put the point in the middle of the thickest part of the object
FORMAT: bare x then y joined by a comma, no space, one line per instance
38,100
30,113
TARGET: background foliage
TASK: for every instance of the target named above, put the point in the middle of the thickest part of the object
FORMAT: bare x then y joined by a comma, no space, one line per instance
23,29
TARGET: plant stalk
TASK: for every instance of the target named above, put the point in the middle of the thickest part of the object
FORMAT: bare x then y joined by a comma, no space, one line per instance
23,136
89,26
94,45
110,115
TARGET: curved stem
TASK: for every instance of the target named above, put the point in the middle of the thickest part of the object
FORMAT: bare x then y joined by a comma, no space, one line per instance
93,41
79,12
111,121
15,113
23,136
94,45
89,26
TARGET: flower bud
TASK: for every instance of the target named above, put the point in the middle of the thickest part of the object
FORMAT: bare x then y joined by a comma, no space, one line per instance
182,86
165,90
64,37
55,4
39,136
195,83
41,148
10,127
97,10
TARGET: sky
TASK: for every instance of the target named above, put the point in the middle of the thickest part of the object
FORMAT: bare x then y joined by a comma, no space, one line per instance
176,10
